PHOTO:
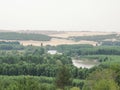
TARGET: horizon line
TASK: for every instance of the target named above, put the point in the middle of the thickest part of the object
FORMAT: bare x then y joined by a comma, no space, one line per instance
57,30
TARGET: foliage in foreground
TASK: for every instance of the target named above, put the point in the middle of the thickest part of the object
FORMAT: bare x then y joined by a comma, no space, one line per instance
63,77
29,83
106,78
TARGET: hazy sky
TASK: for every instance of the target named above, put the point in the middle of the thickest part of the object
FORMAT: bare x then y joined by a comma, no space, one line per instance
102,15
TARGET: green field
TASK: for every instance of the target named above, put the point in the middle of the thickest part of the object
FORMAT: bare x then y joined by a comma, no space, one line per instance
23,36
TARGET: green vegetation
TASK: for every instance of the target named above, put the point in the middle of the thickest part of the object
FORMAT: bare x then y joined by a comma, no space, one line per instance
10,45
110,43
28,83
32,68
97,38
80,50
63,77
23,36
25,83
104,78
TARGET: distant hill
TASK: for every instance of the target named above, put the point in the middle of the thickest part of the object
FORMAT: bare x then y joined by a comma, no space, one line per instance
23,36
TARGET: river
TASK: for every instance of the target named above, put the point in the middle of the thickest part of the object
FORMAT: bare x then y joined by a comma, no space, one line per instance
85,63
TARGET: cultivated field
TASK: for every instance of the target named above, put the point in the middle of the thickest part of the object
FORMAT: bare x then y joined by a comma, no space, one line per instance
55,41
77,33
60,37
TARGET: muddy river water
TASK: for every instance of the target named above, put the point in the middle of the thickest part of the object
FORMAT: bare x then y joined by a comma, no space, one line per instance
85,63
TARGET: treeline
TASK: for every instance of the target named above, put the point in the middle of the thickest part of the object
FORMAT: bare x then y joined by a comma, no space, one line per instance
77,50
68,48
102,50
13,45
8,42
40,70
94,38
23,36
110,43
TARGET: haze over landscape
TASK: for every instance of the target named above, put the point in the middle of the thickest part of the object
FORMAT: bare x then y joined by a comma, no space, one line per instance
59,45
65,15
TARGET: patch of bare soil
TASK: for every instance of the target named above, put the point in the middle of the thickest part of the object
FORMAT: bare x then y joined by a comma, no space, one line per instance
55,41
61,38
77,33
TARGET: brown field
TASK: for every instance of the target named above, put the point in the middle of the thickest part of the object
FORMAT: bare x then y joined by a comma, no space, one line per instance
61,38
55,41
77,33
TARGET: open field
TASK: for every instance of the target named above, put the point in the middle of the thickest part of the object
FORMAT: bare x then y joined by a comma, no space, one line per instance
60,37
66,34
77,33
55,41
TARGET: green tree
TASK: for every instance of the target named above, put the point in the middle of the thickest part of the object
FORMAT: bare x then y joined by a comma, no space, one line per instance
63,77
75,88
101,80
106,85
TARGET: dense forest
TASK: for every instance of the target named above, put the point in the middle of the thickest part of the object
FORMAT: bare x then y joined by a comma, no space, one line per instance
32,68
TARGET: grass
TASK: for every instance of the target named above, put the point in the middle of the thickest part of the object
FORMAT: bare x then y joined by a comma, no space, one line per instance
112,58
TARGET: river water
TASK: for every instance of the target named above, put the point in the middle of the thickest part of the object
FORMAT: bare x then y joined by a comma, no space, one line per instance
85,63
